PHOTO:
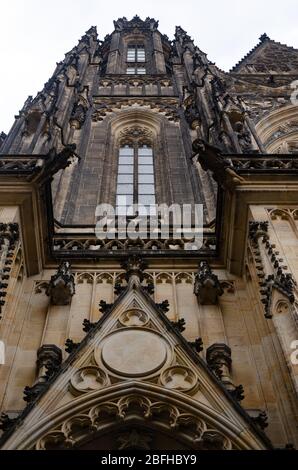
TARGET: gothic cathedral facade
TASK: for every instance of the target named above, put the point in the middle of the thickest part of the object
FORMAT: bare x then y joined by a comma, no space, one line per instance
151,342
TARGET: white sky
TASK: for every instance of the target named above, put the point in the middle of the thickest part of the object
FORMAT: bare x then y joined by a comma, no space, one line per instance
35,34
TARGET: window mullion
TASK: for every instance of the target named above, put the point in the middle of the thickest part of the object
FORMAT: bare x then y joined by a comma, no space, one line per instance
136,182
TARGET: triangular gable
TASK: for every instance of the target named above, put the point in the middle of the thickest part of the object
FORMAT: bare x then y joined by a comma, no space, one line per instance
268,56
134,365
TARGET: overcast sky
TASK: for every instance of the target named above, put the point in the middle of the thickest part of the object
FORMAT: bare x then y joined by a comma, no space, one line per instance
35,34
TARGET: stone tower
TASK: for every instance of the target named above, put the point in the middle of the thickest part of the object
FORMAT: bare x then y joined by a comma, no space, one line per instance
151,341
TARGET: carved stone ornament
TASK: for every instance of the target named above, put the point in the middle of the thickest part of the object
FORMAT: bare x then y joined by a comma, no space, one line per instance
134,440
197,344
88,379
179,325
136,133
212,440
70,346
164,306
170,418
49,359
261,420
9,236
207,287
78,114
133,352
6,422
134,267
134,317
179,378
61,287
218,357
211,159
32,393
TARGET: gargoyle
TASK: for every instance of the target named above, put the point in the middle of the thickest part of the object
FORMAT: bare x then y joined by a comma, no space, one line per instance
211,159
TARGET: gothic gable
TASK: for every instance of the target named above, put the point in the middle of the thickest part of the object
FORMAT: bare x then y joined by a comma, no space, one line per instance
268,57
134,368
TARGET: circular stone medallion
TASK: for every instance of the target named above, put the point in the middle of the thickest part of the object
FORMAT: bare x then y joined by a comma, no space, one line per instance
134,352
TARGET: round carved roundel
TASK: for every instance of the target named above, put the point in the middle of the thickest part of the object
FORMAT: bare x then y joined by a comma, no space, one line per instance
179,378
133,352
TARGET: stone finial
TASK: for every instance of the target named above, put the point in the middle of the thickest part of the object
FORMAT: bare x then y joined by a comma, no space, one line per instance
134,267
207,287
264,37
49,359
61,287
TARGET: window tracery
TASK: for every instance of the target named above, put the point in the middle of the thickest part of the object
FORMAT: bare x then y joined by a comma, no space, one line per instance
135,179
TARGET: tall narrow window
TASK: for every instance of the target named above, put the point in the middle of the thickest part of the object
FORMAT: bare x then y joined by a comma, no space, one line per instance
125,182
146,187
135,181
135,59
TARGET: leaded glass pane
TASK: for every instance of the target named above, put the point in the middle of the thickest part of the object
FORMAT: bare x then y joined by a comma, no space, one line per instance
128,179
125,169
145,160
145,151
130,71
146,188
126,151
125,160
124,200
131,54
140,54
145,169
145,179
125,189
146,199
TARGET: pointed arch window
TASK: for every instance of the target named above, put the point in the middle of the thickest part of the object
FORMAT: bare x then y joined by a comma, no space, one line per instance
135,179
